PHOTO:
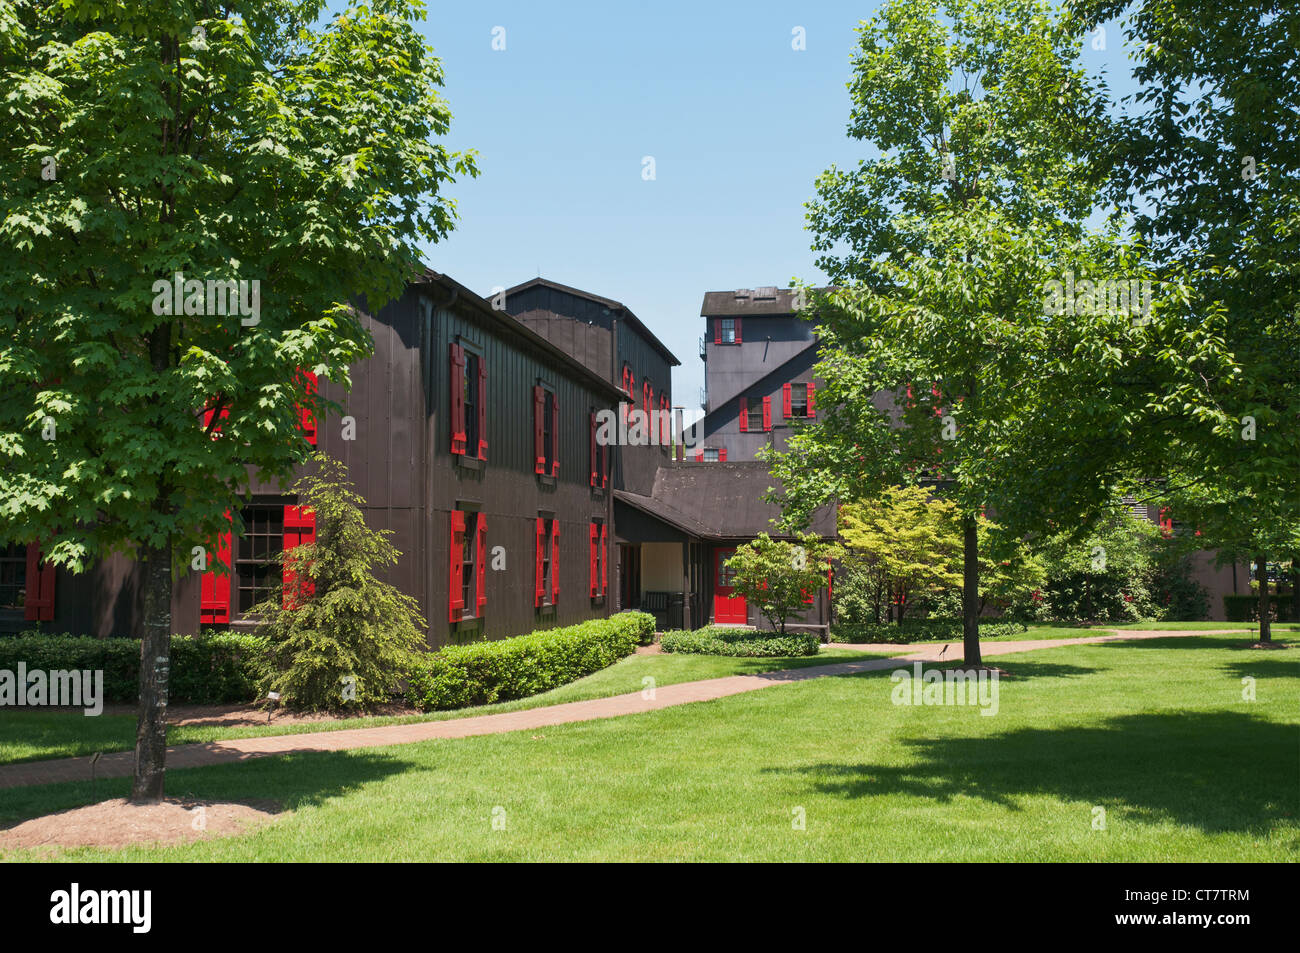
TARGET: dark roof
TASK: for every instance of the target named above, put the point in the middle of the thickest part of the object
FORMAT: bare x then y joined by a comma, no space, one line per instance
458,296
718,501
745,301
610,303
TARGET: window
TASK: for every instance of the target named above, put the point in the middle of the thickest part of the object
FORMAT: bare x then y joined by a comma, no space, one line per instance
728,330
547,589
256,570
798,399
13,575
546,431
467,565
597,452
468,402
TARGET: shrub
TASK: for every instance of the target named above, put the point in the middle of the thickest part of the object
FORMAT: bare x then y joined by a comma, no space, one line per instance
776,575
338,635
1241,608
739,643
206,669
486,672
920,631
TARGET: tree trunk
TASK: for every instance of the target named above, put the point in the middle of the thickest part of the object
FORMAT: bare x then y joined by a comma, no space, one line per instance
1265,626
970,594
155,667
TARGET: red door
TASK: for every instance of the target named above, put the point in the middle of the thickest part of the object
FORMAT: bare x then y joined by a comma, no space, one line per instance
728,609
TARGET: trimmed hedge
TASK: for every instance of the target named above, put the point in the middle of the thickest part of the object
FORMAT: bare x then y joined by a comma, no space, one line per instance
739,643
1240,608
485,672
920,631
205,669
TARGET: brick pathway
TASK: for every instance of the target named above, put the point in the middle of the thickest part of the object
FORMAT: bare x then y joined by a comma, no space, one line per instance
121,763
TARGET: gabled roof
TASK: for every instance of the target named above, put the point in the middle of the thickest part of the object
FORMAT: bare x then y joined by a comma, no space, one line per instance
458,296
610,303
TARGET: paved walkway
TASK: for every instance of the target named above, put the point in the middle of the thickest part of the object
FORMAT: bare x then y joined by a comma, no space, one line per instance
121,763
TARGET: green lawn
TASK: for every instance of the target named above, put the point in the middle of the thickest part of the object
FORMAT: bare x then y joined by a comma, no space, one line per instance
35,735
1156,733
1243,626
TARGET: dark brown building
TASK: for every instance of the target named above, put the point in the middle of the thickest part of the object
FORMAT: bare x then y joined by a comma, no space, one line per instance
469,436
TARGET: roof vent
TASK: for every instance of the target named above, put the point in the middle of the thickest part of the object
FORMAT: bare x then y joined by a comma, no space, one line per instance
742,294
765,294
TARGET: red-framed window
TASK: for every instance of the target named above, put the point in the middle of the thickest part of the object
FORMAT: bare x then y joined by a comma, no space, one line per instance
546,431
467,566
712,455
546,590
726,331
798,400
468,377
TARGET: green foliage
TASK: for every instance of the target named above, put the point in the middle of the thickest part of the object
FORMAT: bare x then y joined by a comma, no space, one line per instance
1123,571
1243,608
922,630
777,575
486,672
255,140
740,643
344,627
206,669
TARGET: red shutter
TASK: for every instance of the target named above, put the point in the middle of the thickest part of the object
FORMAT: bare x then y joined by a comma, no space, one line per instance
722,454
214,589
299,529
604,559
699,456
663,419
207,420
767,414
785,401
539,591
647,399
717,330
482,408
812,410
744,415
738,340
591,445
1166,522
539,438
555,435
457,399
591,560
455,567
308,418
555,560
480,563
38,604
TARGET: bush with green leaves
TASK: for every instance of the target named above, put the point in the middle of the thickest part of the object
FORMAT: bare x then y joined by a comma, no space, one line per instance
485,672
739,643
337,636
208,669
777,576
921,630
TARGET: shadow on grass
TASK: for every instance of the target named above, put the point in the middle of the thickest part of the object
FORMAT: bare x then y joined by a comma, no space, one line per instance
291,780
1217,771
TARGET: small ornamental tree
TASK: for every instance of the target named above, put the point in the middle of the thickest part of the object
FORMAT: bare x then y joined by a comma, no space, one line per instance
339,637
779,576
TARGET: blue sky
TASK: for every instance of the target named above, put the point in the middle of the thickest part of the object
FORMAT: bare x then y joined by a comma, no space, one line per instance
739,125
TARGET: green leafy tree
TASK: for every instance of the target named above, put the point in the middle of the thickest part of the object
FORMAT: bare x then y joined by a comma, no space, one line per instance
778,575
938,359
160,156
339,637
1204,160
905,544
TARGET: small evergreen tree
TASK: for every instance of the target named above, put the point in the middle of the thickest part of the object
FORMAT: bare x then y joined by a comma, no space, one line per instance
338,636
777,575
